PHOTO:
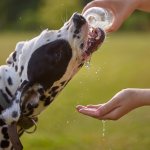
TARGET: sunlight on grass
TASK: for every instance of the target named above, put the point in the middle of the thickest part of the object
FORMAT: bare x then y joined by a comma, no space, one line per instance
123,61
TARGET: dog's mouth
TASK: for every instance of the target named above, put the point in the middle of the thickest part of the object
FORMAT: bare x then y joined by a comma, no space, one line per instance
92,37
95,38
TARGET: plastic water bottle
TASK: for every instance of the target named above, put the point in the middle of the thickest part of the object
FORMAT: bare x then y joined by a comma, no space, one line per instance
98,17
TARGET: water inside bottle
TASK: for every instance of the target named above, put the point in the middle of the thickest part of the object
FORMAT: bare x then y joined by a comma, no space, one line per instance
98,17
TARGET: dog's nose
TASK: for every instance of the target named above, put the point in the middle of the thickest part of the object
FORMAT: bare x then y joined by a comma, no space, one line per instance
78,20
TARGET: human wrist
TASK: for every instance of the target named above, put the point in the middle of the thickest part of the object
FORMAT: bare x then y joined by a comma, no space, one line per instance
137,97
141,96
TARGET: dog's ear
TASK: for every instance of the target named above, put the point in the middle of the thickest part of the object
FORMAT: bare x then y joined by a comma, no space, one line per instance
13,57
49,62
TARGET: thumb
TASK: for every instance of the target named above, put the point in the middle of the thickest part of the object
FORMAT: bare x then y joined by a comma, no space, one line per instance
115,25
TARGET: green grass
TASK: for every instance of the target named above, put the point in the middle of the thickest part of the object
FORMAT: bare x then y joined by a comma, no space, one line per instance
123,61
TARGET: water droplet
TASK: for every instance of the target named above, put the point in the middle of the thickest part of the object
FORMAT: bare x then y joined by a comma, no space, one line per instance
104,128
87,64
80,82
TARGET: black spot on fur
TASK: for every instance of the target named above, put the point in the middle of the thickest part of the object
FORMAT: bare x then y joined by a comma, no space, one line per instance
14,56
14,114
21,70
9,80
54,88
47,101
59,35
17,101
4,143
54,94
41,91
30,106
80,65
78,20
78,37
2,123
5,133
16,68
74,36
8,92
5,96
42,97
9,62
67,28
1,109
62,83
25,82
76,31
49,63
82,46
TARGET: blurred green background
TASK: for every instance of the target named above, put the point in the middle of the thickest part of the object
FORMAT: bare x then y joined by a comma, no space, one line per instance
123,61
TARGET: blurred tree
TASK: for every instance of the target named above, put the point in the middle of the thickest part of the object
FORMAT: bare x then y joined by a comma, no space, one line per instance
41,14
11,10
138,21
84,2
53,14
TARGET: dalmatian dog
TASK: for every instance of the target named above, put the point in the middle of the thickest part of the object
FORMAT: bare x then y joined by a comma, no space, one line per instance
38,70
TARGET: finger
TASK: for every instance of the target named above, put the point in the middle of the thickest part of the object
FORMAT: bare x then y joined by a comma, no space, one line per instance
88,106
92,112
94,106
78,107
115,114
107,107
115,25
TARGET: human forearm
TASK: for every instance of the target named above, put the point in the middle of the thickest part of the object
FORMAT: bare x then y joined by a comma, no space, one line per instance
144,5
142,96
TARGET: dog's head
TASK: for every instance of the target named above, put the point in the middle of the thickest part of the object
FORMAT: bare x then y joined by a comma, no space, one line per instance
56,53
83,39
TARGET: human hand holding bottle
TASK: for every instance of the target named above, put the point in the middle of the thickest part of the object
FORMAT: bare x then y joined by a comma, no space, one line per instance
121,9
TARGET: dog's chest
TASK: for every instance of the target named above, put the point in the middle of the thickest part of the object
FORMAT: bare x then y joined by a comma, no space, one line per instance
45,98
